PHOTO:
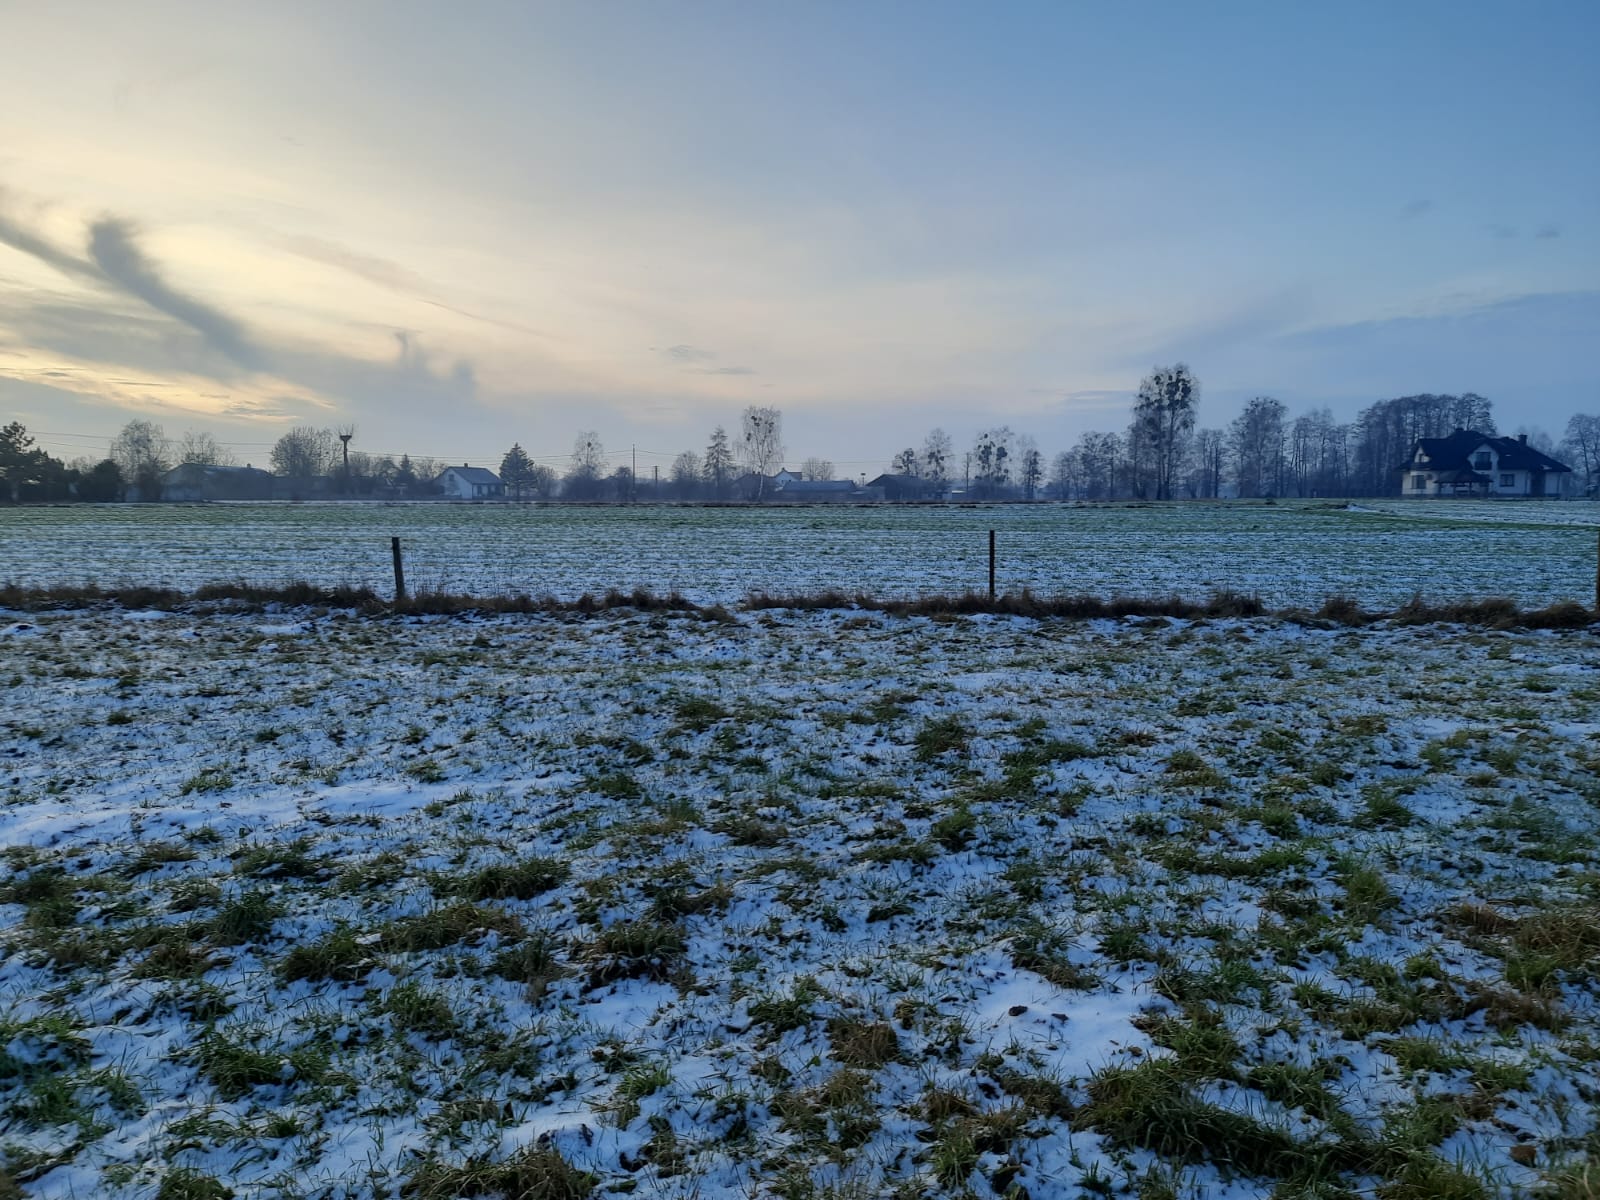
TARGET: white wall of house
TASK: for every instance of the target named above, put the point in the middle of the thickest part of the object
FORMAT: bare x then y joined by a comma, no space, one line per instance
456,488
1419,483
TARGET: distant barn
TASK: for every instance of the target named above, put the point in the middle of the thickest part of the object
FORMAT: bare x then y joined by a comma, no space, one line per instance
202,481
907,487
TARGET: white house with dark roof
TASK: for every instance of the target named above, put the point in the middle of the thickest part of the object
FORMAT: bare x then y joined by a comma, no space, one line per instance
1469,463
470,483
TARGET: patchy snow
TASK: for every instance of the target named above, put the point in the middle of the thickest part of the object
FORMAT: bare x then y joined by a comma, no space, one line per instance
895,905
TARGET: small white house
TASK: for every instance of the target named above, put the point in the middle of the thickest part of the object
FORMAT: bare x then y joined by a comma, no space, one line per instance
470,483
1468,463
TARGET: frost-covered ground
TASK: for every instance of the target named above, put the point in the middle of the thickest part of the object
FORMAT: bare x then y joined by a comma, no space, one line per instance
303,904
1291,553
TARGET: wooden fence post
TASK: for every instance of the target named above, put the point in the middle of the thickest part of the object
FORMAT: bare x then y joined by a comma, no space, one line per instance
991,564
399,571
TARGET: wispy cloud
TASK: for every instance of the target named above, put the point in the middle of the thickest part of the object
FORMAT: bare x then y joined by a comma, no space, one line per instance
389,275
1415,209
18,236
136,320
685,354
115,251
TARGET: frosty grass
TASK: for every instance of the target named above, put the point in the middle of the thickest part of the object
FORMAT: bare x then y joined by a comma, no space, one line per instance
1287,553
305,904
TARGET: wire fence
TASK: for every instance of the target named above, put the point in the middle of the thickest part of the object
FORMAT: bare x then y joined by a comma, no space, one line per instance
1285,554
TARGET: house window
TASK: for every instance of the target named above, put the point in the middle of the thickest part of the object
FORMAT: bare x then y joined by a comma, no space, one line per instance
1418,482
1480,461
1508,479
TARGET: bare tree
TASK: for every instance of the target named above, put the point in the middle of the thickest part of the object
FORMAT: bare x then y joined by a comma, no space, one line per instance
143,454
816,469
1257,435
203,449
762,444
936,458
1163,419
542,481
1030,466
686,475
304,453
1064,475
1582,444
427,470
1098,455
585,475
620,485
992,457
905,463
1537,438
1210,453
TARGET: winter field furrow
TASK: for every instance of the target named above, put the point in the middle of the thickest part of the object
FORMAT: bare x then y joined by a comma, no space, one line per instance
302,904
1291,553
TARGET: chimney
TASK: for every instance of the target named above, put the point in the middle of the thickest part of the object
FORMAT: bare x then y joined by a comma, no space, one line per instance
1523,438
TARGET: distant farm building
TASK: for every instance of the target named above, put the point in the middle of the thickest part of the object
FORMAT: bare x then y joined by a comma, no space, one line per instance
1469,463
470,483
906,487
201,481
816,491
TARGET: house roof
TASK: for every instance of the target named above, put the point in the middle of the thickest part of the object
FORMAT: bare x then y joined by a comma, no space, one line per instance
214,469
1454,453
818,485
473,475
892,480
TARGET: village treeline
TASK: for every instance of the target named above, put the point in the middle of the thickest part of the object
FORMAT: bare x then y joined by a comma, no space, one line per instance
1162,454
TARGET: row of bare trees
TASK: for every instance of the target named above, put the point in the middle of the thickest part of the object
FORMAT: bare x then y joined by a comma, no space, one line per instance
1264,451
1162,455
728,468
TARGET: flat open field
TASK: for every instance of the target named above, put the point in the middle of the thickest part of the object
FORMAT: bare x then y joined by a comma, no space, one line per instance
1297,552
307,905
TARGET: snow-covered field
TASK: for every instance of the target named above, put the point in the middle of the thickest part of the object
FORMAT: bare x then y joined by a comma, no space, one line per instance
1291,553
305,904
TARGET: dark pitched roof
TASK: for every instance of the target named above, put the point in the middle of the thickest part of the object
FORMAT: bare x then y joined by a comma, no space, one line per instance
1454,453
818,485
474,475
215,469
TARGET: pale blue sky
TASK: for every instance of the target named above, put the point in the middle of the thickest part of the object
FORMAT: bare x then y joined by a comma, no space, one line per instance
459,225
